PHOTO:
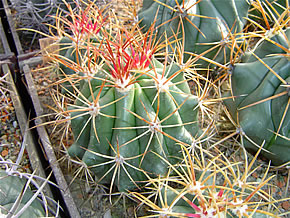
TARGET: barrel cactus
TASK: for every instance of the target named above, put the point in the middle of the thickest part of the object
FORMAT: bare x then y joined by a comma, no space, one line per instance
10,188
130,111
260,86
206,27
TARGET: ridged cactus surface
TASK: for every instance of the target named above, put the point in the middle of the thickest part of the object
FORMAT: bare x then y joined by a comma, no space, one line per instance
10,188
204,26
130,112
266,79
135,125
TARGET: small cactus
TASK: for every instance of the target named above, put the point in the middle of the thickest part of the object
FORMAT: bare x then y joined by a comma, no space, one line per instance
85,24
11,187
16,197
207,185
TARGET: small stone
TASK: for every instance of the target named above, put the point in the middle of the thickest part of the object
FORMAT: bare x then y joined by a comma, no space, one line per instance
280,184
4,153
15,124
255,175
286,205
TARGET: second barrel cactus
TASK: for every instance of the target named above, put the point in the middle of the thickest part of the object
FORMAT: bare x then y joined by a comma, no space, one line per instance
260,87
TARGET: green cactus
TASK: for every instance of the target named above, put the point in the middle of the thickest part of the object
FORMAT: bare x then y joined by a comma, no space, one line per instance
10,188
194,191
185,207
67,51
208,25
70,59
129,116
262,75
134,108
267,11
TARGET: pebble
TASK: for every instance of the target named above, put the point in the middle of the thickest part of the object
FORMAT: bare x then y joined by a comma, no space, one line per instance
15,124
4,153
10,133
286,205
